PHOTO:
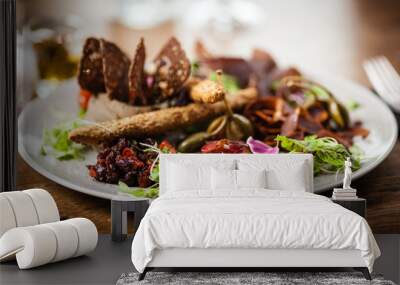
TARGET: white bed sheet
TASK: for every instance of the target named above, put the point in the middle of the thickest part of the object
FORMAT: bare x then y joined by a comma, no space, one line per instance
256,218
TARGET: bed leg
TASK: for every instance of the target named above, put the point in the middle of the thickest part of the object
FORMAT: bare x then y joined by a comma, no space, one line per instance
364,271
143,274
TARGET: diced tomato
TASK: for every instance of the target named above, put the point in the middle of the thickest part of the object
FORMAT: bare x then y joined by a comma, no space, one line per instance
84,97
165,146
137,163
127,152
143,178
92,172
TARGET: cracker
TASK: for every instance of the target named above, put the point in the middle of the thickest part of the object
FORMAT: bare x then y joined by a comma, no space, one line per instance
137,77
115,69
172,68
90,74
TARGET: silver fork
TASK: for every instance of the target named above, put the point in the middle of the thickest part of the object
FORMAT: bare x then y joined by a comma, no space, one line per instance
384,79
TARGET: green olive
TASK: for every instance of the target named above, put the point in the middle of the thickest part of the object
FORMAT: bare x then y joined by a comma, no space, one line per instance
193,142
233,131
238,128
337,116
321,93
244,124
345,114
217,125
309,99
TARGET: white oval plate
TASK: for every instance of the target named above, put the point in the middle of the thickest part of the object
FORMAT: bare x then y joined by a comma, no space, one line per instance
62,106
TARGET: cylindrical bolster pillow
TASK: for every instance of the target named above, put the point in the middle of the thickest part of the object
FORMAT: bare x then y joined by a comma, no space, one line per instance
87,235
41,244
23,209
26,208
46,207
67,240
32,246
7,218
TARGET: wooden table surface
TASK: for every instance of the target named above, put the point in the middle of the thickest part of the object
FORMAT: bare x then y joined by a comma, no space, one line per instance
372,28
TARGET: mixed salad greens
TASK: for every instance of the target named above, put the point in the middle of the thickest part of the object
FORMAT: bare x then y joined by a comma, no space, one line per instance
57,143
329,155
150,192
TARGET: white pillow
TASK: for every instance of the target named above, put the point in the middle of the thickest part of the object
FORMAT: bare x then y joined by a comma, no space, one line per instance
182,177
290,175
188,174
251,178
223,179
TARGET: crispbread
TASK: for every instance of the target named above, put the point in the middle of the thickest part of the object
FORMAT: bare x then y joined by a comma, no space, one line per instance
137,80
90,74
173,68
115,69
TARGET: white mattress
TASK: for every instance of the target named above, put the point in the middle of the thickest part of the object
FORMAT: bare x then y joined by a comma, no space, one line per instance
254,219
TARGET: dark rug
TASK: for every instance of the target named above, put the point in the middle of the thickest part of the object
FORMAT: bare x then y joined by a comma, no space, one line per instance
233,278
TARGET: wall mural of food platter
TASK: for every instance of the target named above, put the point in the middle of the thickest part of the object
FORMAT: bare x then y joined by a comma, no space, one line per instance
101,133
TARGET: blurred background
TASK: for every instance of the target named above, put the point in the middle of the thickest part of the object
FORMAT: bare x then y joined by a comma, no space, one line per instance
320,36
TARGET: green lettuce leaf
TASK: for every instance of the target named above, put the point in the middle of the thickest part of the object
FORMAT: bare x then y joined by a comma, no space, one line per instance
57,143
329,155
151,192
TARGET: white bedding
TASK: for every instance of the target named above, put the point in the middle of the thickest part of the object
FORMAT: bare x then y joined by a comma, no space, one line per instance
256,218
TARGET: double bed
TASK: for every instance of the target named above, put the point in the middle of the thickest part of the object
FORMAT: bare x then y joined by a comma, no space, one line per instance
220,210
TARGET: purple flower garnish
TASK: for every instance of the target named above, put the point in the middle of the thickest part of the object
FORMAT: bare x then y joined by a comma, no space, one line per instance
257,146
149,81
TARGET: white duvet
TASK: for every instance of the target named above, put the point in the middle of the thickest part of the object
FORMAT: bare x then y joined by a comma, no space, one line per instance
250,219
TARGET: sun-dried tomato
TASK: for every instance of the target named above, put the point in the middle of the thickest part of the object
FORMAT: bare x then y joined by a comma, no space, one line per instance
137,163
225,146
92,171
165,146
127,152
84,97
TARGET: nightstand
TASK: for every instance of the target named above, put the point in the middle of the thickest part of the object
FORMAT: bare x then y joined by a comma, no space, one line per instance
120,206
357,205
